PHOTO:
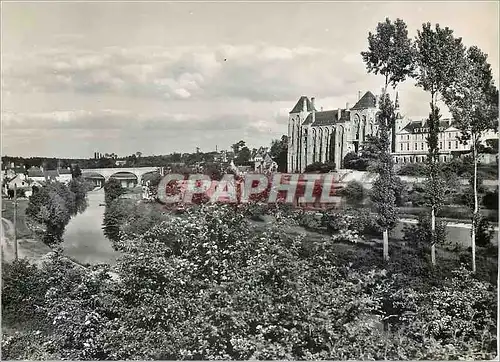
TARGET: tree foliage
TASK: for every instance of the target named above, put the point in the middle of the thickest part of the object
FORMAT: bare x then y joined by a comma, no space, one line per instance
112,190
390,52
50,208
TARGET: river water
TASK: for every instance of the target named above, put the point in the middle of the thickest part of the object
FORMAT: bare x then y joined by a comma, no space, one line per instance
84,240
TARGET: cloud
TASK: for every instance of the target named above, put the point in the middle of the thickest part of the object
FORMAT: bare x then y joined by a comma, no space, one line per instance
254,72
131,122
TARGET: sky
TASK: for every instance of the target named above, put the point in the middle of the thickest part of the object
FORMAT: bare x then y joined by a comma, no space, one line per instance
123,77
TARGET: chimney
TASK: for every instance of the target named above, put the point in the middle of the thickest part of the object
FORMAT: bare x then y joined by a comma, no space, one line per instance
359,95
304,106
313,110
347,105
339,114
321,109
449,121
423,122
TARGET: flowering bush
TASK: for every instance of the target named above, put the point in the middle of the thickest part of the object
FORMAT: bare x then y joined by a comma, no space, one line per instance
208,285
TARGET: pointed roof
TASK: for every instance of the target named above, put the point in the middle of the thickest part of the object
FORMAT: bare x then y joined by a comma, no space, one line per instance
299,106
367,101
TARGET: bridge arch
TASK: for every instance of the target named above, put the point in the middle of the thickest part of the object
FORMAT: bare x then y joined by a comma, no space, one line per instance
127,179
95,178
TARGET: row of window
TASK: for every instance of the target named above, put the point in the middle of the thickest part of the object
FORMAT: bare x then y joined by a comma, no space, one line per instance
416,159
423,146
423,136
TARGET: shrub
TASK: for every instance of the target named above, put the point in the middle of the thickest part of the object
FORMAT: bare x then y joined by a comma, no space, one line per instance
420,235
321,167
484,231
354,193
490,200
112,190
412,169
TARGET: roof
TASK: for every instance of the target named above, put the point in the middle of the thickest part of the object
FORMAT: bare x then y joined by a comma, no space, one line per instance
92,175
367,101
325,118
300,105
415,125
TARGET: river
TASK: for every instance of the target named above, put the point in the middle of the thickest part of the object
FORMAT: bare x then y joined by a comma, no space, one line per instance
84,240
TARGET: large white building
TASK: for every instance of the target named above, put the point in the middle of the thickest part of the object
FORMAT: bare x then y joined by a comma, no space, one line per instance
411,141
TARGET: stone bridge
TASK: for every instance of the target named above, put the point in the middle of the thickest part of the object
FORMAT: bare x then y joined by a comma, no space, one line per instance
128,176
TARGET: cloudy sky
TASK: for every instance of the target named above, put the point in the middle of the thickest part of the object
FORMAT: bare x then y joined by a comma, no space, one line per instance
165,77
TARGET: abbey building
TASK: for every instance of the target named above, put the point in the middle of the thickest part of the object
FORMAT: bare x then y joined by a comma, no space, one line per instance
327,136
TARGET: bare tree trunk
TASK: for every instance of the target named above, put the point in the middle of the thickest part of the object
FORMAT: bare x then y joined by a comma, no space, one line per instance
385,236
433,236
476,207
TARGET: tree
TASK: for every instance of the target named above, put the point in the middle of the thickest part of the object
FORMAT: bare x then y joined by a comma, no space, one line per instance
112,190
237,147
243,156
76,171
279,152
473,102
49,211
439,60
390,53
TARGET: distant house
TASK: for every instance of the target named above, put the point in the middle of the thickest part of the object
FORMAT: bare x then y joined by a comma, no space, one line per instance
19,182
265,164
36,174
64,175
40,175
120,163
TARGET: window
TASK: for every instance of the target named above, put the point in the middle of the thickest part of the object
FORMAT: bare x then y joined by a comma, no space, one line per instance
440,144
449,145
408,146
422,146
444,158
401,147
456,144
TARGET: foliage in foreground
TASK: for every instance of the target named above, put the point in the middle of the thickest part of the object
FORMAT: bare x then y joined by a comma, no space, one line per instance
207,286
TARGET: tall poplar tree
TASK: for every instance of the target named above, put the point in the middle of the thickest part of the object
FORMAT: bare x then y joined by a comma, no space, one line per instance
391,54
473,102
439,60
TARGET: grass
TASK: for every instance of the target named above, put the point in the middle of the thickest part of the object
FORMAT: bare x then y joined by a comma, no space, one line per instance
8,213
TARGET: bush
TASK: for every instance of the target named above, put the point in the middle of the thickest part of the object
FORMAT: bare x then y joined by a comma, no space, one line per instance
360,221
112,190
321,167
354,162
412,169
420,235
484,231
354,193
490,200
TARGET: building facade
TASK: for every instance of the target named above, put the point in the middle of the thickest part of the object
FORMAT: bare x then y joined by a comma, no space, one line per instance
411,142
327,136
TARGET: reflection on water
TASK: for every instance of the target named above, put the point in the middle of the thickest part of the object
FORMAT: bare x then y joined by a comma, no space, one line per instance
84,239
